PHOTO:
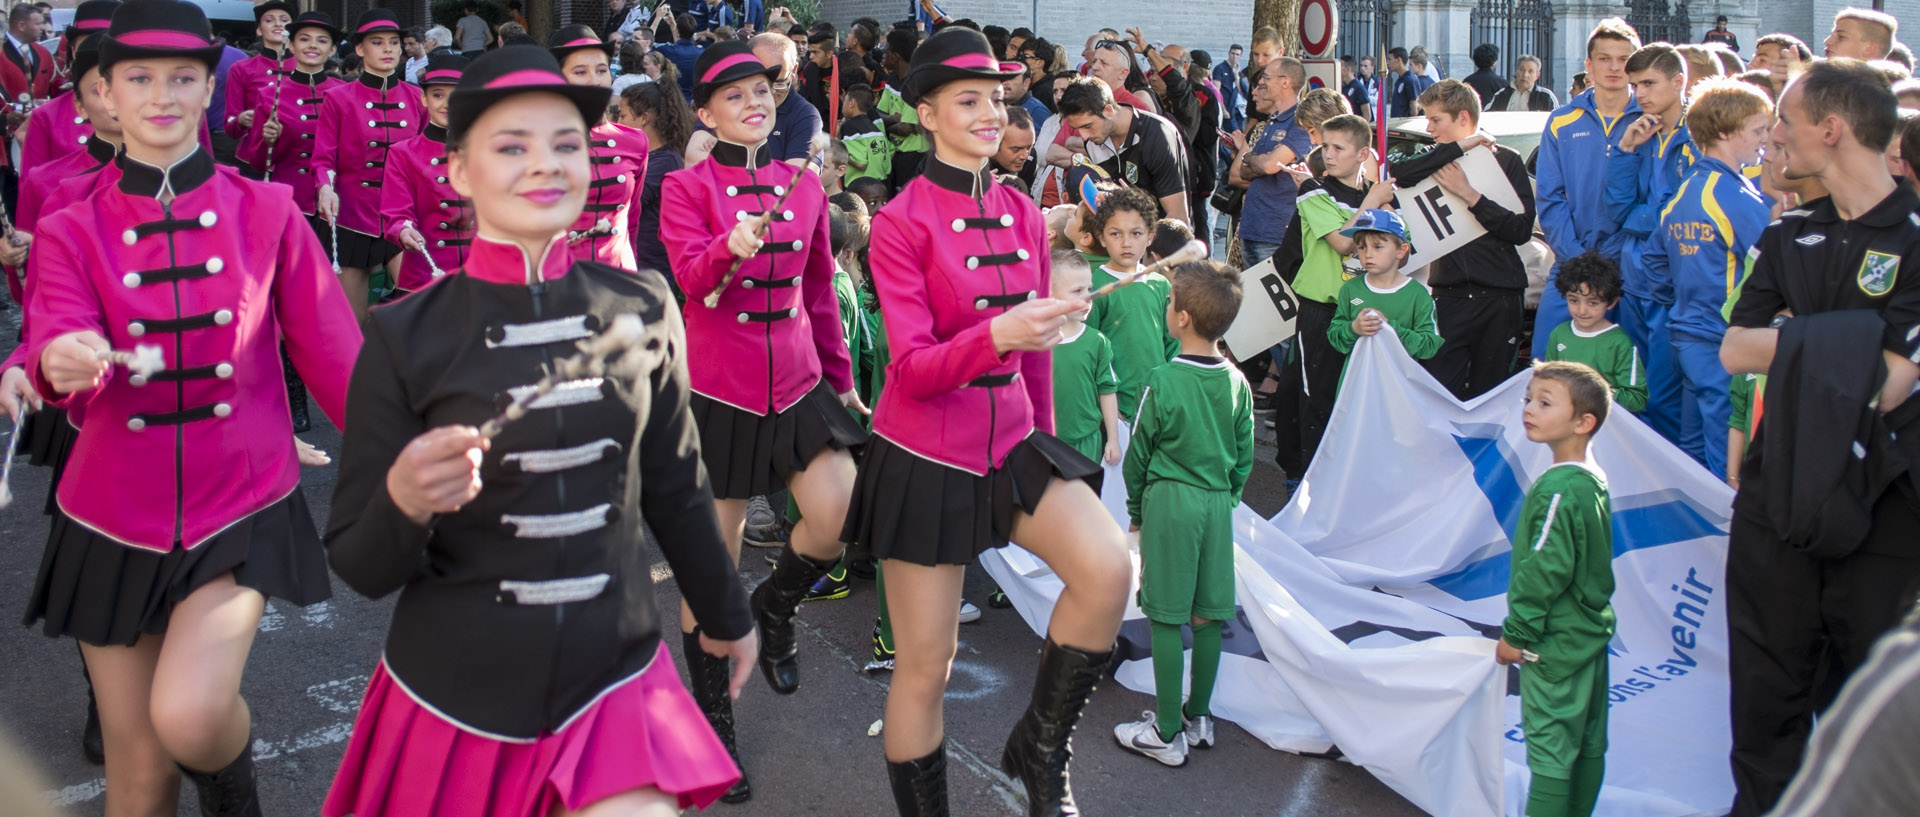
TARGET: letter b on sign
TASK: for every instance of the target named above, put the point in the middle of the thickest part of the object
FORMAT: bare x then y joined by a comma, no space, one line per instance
1282,298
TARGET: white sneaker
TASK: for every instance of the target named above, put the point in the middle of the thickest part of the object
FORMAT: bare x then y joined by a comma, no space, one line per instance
760,513
968,613
1199,731
1143,737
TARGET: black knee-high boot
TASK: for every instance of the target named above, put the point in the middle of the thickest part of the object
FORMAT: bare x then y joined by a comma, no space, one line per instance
228,792
920,786
774,603
296,393
1040,747
709,679
92,745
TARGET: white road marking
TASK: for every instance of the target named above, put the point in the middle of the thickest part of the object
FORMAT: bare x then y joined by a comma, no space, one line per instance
342,697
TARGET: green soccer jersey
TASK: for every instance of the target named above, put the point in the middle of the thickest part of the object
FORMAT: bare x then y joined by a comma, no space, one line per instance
1740,394
1082,372
1559,593
1611,353
1321,211
869,156
1195,426
891,103
1408,308
871,373
1134,319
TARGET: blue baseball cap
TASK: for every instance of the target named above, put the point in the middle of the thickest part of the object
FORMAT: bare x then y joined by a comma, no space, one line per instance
1378,221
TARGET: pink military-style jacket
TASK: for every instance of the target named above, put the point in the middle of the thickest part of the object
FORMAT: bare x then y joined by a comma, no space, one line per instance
217,277
360,122
250,85
55,130
38,186
619,167
776,330
953,251
293,152
416,194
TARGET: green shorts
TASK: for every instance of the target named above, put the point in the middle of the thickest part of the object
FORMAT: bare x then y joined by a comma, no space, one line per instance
1564,720
1186,553
1091,446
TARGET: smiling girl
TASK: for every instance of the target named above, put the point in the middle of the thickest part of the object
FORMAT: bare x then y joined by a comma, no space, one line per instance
773,379
604,231
360,122
963,457
524,673
422,212
164,560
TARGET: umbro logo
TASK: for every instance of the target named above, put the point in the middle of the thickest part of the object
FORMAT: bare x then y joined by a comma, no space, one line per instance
1357,301
1810,240
1561,347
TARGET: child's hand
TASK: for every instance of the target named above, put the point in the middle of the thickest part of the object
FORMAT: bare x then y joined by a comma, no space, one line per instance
1378,196
1133,528
1506,654
1368,323
745,241
1112,454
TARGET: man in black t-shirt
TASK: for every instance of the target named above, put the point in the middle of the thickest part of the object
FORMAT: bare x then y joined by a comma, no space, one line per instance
1138,147
1805,604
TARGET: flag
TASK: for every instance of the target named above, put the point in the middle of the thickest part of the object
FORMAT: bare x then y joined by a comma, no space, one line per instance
1369,605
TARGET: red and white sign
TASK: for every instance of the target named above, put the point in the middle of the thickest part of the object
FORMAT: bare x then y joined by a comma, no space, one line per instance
1318,27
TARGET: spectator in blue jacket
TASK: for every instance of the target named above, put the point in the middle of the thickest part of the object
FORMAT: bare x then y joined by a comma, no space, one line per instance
717,13
1233,88
1714,217
1643,171
1570,176
1406,84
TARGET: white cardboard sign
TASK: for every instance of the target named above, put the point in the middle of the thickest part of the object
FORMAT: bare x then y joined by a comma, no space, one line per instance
1439,221
1268,308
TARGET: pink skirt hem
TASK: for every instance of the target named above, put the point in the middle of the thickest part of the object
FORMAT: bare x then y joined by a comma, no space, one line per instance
406,760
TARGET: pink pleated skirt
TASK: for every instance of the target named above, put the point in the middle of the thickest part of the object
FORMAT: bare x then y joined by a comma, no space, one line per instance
406,761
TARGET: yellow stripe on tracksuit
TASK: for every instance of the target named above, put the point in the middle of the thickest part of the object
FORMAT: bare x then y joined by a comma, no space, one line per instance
1721,223
1564,120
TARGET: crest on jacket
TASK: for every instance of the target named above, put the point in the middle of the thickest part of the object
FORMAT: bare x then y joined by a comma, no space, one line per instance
1877,273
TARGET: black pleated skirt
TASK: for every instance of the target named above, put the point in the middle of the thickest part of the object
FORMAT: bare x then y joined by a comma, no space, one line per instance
357,249
46,440
911,508
748,455
108,594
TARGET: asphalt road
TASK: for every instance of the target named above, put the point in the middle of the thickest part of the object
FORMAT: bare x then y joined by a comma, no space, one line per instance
807,754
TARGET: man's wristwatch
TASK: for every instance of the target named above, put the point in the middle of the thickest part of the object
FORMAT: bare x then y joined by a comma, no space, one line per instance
1779,321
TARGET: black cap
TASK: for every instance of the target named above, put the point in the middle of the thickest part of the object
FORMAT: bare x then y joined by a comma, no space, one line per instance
726,62
91,17
85,58
568,39
159,28
315,19
445,69
952,53
260,9
375,21
511,70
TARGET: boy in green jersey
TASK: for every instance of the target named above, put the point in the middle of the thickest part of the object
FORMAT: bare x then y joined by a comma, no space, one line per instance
1559,608
1133,317
1384,296
1186,463
1591,284
1086,408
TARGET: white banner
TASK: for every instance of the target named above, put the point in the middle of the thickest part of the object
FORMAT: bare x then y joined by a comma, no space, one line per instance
1268,308
1369,603
1439,221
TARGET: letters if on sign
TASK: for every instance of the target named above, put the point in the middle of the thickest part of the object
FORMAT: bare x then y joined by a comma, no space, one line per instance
1439,222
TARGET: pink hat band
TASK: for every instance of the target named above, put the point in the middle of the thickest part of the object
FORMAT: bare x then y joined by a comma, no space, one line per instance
164,38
